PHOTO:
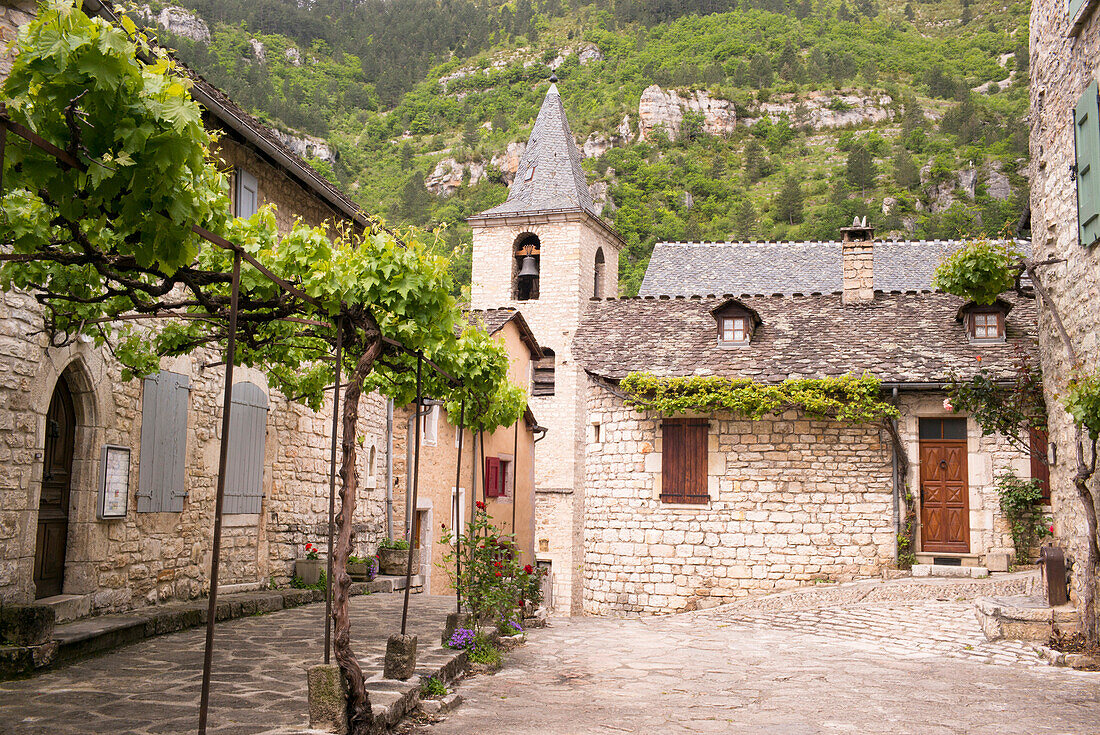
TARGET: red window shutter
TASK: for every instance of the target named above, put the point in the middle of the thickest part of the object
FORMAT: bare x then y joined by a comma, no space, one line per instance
492,477
684,461
1039,469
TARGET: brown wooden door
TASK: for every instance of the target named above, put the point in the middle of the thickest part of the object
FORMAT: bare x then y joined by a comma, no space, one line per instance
53,506
945,506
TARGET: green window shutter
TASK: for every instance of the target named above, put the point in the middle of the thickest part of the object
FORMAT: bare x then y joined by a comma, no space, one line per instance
1086,131
1075,8
244,471
161,466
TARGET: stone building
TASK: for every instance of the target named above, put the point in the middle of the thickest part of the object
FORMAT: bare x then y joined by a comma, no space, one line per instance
549,225
1065,222
66,416
497,469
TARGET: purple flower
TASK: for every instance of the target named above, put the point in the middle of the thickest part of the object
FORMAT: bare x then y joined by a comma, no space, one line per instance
462,638
517,626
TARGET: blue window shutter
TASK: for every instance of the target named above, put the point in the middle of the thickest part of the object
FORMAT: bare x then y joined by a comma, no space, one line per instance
162,465
244,478
1086,131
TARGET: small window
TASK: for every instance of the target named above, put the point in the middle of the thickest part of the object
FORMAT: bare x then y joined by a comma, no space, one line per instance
939,429
597,275
247,195
987,326
684,461
494,479
530,173
734,330
542,382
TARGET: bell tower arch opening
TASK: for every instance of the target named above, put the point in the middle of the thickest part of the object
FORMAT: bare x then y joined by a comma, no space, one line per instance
597,275
526,252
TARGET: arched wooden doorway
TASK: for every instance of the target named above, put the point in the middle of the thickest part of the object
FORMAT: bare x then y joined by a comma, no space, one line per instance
53,505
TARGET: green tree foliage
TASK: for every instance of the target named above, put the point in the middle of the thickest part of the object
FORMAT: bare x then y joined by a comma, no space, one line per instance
980,271
788,204
859,169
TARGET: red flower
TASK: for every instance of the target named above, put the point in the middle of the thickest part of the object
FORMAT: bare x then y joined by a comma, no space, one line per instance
309,547
480,505
496,564
978,358
529,569
498,574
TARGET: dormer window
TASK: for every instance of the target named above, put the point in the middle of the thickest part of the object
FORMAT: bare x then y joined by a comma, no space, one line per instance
736,323
984,324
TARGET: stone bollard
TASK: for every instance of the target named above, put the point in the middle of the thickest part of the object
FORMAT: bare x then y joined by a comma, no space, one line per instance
400,657
328,699
454,622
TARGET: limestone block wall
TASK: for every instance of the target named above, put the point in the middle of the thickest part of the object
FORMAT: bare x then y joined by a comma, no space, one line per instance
988,457
1061,67
13,13
792,501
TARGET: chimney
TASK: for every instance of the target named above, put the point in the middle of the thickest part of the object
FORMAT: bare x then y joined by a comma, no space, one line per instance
858,258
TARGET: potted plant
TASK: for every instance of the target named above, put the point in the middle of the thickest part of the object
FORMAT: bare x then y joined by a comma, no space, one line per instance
309,569
393,557
362,569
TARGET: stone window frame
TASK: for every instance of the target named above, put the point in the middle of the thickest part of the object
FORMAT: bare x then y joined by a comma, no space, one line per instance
733,310
685,499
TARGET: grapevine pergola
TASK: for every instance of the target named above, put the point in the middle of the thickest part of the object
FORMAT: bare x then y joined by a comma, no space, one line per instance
110,214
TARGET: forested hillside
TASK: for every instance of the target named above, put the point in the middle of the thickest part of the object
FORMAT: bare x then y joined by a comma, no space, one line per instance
700,119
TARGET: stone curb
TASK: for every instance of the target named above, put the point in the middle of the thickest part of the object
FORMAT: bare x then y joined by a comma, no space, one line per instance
391,700
1079,661
92,636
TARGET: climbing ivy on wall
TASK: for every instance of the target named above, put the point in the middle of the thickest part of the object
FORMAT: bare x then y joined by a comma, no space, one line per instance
846,398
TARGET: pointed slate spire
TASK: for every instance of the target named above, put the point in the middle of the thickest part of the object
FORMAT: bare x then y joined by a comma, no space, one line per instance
549,174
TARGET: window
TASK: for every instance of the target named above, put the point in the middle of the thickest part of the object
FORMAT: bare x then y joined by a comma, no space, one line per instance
429,425
530,173
684,461
542,381
457,521
244,473
986,325
247,194
597,275
161,473
1086,132
734,330
934,429
1039,469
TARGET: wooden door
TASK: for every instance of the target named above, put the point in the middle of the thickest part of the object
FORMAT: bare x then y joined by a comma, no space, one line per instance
945,505
53,506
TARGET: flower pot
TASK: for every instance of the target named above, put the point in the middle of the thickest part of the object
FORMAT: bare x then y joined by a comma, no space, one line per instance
309,570
396,561
362,571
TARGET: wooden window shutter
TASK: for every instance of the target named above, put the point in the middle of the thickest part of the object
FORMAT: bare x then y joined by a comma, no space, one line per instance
248,194
492,477
161,466
1086,131
244,471
684,461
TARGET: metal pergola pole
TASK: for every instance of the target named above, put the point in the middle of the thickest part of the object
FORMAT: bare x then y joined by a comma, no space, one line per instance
416,486
219,500
332,485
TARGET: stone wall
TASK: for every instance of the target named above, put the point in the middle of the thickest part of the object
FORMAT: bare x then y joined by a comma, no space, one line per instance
792,501
1061,67
569,243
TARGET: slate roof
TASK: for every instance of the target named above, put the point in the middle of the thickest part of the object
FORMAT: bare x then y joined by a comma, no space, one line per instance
697,268
494,320
899,338
557,181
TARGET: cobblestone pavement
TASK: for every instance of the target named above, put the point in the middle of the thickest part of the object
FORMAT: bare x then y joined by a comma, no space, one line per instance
258,683
918,667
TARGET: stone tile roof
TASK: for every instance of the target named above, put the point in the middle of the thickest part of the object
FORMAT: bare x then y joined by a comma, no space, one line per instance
899,338
699,268
494,320
549,176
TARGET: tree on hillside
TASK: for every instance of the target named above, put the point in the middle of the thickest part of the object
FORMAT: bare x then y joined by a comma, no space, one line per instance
789,202
745,222
760,71
859,170
757,163
788,64
906,174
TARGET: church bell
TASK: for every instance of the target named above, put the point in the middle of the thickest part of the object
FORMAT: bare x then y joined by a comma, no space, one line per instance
529,268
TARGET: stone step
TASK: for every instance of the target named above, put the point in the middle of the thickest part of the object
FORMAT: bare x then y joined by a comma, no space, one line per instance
942,570
68,607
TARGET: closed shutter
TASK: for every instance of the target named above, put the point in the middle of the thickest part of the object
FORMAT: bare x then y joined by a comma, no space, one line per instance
1039,469
248,194
542,375
684,461
492,477
1086,130
161,475
1075,8
244,471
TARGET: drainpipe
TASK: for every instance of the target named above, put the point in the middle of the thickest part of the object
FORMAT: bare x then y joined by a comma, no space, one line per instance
896,470
389,469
